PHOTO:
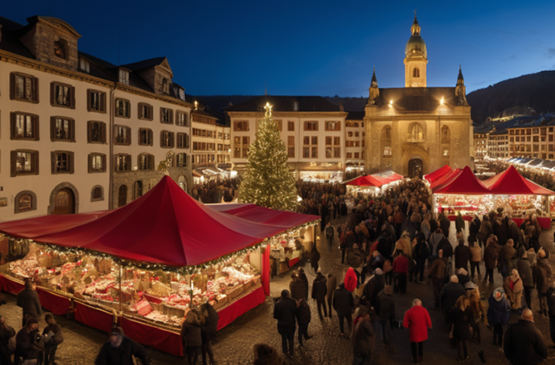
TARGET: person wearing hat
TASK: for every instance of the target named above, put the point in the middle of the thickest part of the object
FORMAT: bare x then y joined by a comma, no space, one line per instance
25,341
120,349
54,337
499,313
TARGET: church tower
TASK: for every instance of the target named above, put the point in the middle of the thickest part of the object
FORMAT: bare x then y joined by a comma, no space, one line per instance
416,58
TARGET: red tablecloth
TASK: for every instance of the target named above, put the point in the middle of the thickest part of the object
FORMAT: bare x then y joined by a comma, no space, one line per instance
158,338
93,317
169,341
52,302
544,222
11,285
292,262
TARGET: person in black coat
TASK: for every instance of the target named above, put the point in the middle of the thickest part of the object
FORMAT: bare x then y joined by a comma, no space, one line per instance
25,339
191,335
524,343
6,332
314,259
297,287
444,224
462,255
28,299
303,319
462,319
373,287
285,311
208,331
385,309
343,303
473,229
450,293
304,279
54,337
319,291
120,350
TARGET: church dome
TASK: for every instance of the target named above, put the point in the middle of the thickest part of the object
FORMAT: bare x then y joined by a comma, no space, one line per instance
416,46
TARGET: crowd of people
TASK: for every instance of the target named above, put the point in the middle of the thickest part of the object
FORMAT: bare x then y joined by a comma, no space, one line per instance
538,175
394,240
215,191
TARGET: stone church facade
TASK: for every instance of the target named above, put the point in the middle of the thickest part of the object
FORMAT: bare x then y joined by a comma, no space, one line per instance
417,129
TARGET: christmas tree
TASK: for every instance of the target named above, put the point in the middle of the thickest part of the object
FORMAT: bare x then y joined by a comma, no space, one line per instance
267,181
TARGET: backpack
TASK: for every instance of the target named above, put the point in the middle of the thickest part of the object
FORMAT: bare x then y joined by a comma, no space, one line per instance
329,232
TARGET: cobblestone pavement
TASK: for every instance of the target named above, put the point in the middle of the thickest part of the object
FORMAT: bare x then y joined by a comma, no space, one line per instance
234,343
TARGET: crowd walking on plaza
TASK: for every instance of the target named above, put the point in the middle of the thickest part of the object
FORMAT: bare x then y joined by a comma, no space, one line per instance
396,240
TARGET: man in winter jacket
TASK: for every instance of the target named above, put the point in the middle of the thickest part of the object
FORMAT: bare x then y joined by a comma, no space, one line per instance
363,339
499,312
330,235
525,271
524,343
28,299
490,258
417,320
473,229
462,255
437,274
331,286
435,239
120,350
444,224
297,287
507,255
343,303
54,337
385,309
373,287
25,339
319,291
285,311
450,293
542,277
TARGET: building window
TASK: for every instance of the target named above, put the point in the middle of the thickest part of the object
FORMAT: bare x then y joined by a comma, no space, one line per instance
349,155
123,162
181,118
60,49
96,132
123,76
24,126
310,147
122,195
97,162
145,111
145,137
291,126
416,133
166,116
167,139
84,65
165,86
62,162
25,201
122,135
357,155
241,126
387,151
123,108
62,95
182,140
333,126
145,161
96,101
97,193
291,146
181,160
24,87
445,135
311,126
241,148
62,129
137,189
24,163
387,132
445,152
415,72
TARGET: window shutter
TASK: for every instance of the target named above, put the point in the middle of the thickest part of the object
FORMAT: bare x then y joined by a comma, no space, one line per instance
12,86
103,159
172,139
52,93
89,158
12,125
88,100
36,127
151,162
52,128
35,162
128,136
128,162
36,89
150,137
103,102
70,160
162,139
72,97
53,162
103,132
13,157
72,130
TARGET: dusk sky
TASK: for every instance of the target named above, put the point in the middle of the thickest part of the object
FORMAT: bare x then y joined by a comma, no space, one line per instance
310,47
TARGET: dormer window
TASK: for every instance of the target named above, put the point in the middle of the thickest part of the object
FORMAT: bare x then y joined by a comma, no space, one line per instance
60,49
182,93
84,65
123,76
165,86
296,106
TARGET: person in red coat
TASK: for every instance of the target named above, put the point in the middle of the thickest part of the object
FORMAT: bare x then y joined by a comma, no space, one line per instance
400,270
418,321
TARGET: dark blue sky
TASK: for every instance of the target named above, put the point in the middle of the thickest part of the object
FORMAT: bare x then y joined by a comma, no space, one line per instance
310,47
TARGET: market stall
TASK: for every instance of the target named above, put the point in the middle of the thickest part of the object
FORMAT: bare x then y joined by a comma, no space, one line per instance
147,263
433,176
373,184
519,196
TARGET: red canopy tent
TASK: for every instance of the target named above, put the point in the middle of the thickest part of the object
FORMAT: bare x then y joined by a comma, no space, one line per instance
254,213
465,183
368,180
510,182
388,176
433,176
445,179
165,226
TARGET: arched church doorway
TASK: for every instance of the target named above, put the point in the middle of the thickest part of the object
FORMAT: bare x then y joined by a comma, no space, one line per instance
64,202
416,167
